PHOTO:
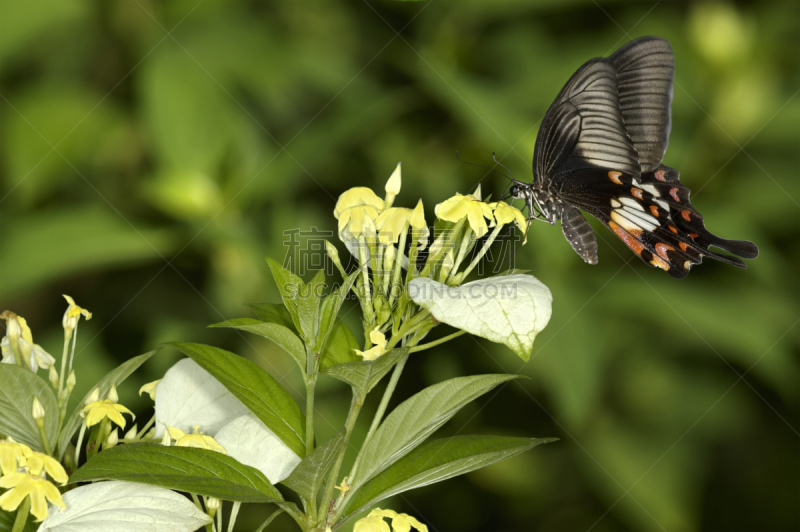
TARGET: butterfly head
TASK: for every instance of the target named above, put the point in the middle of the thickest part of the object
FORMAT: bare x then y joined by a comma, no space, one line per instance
541,204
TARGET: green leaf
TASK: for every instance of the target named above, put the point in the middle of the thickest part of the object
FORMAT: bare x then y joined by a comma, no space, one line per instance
508,309
310,473
289,286
199,471
20,386
363,375
419,417
438,460
274,313
115,377
330,309
340,346
280,334
254,387
308,308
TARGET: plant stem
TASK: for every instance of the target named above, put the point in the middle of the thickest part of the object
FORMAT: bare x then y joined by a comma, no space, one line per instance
366,297
22,515
63,363
43,437
234,515
311,381
436,342
355,408
466,240
387,395
149,424
394,287
480,255
80,442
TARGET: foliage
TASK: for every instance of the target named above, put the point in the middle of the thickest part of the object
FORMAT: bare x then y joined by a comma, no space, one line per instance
674,401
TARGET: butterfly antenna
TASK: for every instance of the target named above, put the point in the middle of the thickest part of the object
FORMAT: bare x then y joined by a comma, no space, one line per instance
504,167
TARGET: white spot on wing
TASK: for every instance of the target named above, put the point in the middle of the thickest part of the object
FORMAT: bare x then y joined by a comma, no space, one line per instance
644,220
652,190
615,203
663,204
624,222
631,203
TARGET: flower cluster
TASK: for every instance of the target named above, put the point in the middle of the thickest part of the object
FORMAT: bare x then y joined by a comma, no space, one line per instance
387,242
24,474
400,522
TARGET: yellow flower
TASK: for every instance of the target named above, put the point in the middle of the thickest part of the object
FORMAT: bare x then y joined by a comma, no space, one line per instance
98,410
35,486
12,455
19,340
150,389
400,522
195,439
356,221
391,223
470,207
72,315
38,462
392,187
378,348
506,214
355,197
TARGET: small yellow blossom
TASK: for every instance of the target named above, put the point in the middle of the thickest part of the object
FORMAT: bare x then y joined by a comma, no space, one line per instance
150,389
356,221
355,197
195,439
506,214
38,462
344,487
391,223
72,315
37,411
400,522
470,207
19,340
378,348
98,410
35,486
392,187
12,455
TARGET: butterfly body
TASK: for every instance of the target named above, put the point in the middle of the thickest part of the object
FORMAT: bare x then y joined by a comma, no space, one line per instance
600,150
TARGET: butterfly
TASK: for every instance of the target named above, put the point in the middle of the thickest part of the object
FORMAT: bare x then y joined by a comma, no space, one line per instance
599,150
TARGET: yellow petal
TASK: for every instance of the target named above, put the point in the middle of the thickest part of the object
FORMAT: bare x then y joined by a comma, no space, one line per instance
355,197
417,219
392,187
53,495
150,389
10,500
391,223
175,433
506,214
371,524
55,470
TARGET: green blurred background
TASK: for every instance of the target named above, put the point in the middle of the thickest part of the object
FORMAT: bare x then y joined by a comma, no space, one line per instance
154,152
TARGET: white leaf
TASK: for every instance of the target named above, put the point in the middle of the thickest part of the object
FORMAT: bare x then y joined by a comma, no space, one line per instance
508,309
124,507
188,395
249,441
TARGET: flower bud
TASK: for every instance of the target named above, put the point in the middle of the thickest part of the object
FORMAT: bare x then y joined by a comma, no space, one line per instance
131,434
112,394
71,381
112,440
393,186
38,410
333,255
93,396
52,376
213,504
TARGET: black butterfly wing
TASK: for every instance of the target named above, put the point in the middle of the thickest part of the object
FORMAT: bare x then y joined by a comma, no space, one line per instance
584,127
651,213
645,75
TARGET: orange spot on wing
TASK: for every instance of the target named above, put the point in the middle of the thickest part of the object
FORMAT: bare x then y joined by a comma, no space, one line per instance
693,235
637,193
654,210
687,215
629,237
614,176
684,246
674,193
660,263
671,228
660,175
662,249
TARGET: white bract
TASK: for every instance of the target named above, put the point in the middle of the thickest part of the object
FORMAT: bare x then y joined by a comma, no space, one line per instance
188,396
509,309
124,507
250,442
